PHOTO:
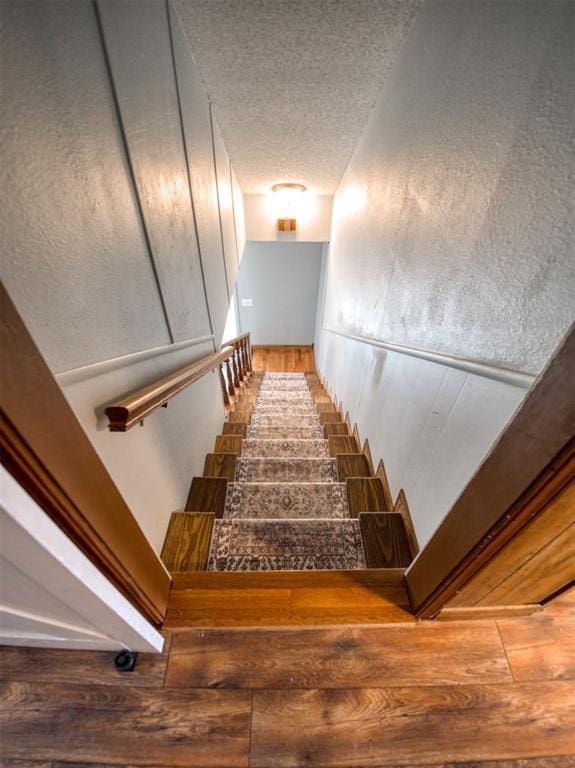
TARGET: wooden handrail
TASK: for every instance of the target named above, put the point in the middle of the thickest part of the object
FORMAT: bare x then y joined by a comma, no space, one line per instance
231,342
126,413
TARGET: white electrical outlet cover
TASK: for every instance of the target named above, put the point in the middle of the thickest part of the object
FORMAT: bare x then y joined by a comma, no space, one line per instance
247,302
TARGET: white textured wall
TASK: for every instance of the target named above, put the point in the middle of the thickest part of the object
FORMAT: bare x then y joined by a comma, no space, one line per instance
313,225
453,232
282,279
113,242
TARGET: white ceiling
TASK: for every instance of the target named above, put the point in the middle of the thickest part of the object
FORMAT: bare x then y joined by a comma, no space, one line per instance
293,82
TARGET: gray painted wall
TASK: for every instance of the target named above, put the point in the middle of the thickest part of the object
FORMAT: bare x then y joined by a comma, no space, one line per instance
112,234
453,232
282,279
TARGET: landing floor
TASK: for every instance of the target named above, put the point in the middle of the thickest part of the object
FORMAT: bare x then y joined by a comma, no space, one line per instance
283,359
484,694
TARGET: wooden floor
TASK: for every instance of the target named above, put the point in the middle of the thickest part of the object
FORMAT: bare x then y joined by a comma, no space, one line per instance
481,694
283,359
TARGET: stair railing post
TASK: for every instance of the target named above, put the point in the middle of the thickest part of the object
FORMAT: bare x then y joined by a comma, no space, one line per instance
246,355
241,360
249,351
246,360
230,378
235,366
223,384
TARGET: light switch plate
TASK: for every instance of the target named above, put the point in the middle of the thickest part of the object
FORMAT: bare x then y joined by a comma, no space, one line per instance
247,302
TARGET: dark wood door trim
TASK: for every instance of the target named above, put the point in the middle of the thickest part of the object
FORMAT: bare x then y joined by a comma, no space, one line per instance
46,450
529,463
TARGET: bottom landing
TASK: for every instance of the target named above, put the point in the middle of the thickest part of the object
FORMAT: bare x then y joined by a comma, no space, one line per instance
267,599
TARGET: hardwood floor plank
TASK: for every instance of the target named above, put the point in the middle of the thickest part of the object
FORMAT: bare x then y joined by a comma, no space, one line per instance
187,543
283,359
365,494
536,762
540,647
109,724
343,657
220,465
411,726
207,494
351,465
80,667
384,540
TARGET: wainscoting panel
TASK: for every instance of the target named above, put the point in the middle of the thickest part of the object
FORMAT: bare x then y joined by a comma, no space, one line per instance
432,424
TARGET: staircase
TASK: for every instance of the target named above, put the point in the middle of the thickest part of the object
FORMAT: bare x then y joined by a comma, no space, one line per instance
288,489
285,510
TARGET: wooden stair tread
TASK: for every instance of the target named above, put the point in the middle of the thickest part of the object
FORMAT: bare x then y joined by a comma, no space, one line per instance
328,418
296,598
242,415
325,407
207,494
187,543
220,465
342,444
352,465
335,429
235,428
365,494
384,540
228,444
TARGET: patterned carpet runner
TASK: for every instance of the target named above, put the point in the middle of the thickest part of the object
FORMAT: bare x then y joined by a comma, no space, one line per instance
285,510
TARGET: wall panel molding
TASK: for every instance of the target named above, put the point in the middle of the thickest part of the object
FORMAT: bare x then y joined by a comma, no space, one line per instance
74,375
506,376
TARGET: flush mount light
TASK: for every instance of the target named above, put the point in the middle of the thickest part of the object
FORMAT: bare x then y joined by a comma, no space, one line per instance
287,187
289,197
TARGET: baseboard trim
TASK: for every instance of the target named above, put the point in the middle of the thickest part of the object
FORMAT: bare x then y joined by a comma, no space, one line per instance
487,612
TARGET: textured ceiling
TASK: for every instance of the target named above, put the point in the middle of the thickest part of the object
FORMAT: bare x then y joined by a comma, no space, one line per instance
293,82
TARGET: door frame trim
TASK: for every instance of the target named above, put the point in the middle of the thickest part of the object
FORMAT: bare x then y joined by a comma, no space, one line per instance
45,448
531,461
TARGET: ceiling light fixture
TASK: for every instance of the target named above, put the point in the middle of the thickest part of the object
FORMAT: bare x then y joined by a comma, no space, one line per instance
289,198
